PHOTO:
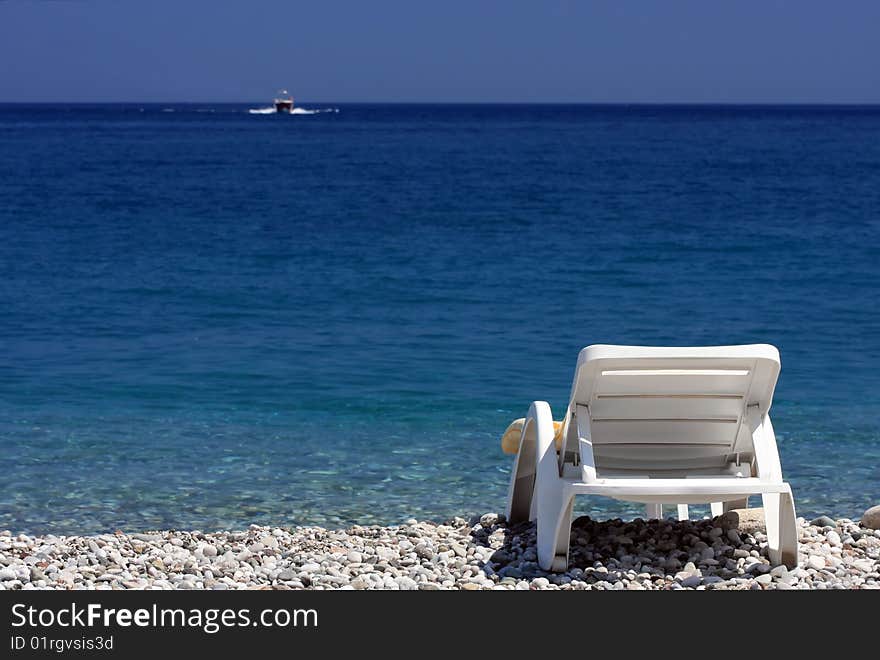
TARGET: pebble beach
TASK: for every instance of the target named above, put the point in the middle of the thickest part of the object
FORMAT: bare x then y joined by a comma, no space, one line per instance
726,552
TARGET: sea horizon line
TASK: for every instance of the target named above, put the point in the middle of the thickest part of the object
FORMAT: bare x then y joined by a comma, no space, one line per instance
831,104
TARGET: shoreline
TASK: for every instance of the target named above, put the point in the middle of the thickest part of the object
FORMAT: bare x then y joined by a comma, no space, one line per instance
480,553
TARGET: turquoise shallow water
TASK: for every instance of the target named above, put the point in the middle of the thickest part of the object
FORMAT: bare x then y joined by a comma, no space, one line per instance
212,318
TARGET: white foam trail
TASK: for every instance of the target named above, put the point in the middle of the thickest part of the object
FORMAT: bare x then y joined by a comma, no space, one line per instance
295,111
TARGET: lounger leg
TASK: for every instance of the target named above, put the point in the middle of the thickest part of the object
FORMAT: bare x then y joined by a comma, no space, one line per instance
683,512
551,503
717,508
520,494
519,501
654,511
563,540
554,534
781,528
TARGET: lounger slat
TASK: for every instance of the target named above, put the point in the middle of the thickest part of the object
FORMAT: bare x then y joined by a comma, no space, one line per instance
666,407
644,456
720,433
700,382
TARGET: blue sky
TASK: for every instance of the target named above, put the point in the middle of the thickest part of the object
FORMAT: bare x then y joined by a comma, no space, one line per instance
477,50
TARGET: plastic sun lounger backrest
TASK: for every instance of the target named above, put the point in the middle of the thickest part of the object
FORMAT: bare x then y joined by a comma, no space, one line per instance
672,409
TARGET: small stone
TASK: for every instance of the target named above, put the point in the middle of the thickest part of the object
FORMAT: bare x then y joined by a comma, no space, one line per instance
833,539
692,581
764,579
424,551
871,518
823,521
470,586
540,583
866,565
788,578
406,583
7,574
671,564
747,521
209,551
489,519
816,562
355,557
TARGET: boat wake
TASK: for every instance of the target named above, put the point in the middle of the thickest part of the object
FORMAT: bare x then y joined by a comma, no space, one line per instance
295,111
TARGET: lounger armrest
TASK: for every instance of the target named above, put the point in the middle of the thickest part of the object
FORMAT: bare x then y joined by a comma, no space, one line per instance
585,444
540,433
539,425
764,443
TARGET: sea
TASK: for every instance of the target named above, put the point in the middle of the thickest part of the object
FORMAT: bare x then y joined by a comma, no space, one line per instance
212,317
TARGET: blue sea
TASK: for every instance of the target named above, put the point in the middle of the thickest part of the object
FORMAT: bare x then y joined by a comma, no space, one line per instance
211,318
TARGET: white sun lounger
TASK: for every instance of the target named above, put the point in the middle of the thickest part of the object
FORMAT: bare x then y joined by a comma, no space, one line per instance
660,426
